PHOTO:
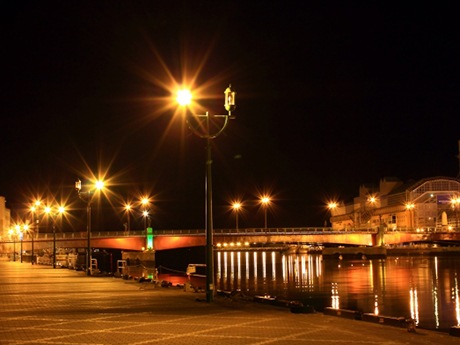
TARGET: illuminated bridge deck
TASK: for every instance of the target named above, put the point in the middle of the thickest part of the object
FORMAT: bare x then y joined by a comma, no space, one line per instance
180,238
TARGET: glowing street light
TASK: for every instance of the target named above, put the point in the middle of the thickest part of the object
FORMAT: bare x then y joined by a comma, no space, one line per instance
144,205
145,214
372,200
184,97
87,196
14,234
236,208
54,213
99,184
332,206
34,209
208,127
128,209
21,236
145,202
24,229
265,201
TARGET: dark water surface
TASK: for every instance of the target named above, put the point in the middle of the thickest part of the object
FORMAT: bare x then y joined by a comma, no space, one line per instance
425,288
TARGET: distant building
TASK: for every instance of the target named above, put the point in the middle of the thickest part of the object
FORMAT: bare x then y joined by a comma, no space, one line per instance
428,204
5,219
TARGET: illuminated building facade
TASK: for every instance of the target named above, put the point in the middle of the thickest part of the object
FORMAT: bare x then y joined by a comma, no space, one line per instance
430,204
5,216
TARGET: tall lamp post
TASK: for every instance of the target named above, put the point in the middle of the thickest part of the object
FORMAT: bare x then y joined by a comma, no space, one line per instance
128,215
265,200
26,230
14,233
146,216
34,210
144,204
145,211
21,237
87,196
236,208
49,213
332,206
209,127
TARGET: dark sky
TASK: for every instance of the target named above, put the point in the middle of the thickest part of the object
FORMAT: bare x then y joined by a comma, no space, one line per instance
330,96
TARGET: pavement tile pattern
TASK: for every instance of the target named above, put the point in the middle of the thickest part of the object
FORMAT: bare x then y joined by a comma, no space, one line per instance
42,305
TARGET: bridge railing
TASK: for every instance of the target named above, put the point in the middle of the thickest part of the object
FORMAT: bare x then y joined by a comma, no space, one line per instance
83,234
261,231
201,232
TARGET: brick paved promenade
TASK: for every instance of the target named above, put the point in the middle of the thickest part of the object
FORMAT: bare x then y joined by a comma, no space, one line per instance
41,305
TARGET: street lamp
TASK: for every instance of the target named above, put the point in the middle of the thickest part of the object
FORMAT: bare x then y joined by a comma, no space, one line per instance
144,211
87,196
209,127
236,207
374,202
35,220
145,214
145,201
332,206
128,215
21,236
265,201
28,230
60,210
14,233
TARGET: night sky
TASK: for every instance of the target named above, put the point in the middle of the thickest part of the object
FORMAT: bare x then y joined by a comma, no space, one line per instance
329,96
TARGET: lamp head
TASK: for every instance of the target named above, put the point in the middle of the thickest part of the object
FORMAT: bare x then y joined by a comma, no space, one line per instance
99,184
78,185
184,97
229,99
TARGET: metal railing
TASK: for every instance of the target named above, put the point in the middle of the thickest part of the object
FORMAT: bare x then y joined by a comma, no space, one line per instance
262,231
201,232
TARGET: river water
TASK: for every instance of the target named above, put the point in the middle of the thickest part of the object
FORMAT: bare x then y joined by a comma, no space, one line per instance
425,288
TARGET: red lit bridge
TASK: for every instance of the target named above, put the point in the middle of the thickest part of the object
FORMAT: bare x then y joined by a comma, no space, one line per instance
171,239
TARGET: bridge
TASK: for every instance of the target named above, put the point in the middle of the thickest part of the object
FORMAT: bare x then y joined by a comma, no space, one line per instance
172,239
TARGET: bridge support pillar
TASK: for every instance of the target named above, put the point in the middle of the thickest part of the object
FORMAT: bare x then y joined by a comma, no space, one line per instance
378,238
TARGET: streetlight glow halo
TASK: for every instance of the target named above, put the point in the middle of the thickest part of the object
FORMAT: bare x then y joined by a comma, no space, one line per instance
99,184
184,97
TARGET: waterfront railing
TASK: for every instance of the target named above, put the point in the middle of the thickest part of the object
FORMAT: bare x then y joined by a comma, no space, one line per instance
201,232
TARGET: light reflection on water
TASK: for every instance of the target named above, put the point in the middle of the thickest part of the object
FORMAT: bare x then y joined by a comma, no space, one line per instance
424,288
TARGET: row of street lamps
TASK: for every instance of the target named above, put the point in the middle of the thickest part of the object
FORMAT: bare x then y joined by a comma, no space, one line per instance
18,231
264,201
55,213
129,207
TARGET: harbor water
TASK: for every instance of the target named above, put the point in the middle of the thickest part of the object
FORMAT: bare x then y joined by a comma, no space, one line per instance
424,288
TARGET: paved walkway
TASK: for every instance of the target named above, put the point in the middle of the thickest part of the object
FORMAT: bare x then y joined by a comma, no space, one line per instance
41,305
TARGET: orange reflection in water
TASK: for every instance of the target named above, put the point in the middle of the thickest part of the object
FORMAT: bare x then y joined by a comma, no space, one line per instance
457,301
414,305
423,288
